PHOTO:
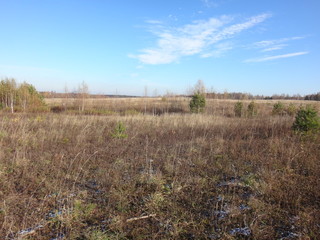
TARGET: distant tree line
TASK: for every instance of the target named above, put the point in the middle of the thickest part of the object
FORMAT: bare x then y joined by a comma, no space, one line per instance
314,97
19,97
231,95
75,94
248,96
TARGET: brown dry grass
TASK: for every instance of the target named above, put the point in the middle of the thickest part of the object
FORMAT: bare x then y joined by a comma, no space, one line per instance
158,106
176,176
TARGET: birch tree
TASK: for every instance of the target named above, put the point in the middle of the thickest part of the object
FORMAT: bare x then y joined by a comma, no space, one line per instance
83,93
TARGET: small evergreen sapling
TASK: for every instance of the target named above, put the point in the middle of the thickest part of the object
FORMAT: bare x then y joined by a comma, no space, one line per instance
238,108
278,109
306,121
197,103
252,109
119,131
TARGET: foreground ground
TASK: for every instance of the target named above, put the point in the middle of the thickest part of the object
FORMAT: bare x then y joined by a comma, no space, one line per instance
170,176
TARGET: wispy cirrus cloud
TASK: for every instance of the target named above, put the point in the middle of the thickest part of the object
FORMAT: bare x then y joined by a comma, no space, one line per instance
199,37
154,22
270,58
274,48
275,44
210,3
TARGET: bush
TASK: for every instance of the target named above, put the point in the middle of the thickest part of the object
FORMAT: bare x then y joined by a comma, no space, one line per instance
307,120
252,109
238,108
278,109
197,103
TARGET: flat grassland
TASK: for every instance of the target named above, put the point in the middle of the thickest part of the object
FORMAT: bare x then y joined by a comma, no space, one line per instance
148,169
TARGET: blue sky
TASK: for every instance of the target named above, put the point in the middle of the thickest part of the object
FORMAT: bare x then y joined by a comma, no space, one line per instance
260,47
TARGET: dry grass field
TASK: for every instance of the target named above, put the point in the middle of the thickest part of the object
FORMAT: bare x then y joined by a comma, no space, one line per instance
158,106
148,169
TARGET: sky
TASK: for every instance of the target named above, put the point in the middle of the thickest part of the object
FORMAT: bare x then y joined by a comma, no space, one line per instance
126,47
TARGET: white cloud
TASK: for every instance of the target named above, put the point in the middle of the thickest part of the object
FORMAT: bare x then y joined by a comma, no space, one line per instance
275,44
196,38
219,51
154,22
268,43
264,59
275,47
210,3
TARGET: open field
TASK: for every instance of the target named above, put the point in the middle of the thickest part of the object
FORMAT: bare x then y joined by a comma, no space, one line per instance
158,106
161,176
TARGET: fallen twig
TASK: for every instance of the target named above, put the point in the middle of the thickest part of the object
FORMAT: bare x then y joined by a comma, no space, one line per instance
139,218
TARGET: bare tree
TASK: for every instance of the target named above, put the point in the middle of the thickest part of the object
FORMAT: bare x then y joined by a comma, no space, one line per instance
83,92
146,91
66,96
199,87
